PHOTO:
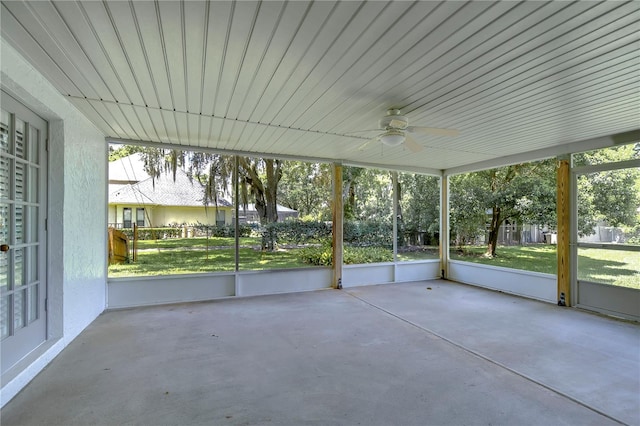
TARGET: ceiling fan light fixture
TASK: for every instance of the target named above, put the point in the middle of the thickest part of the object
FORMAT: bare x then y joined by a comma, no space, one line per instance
392,137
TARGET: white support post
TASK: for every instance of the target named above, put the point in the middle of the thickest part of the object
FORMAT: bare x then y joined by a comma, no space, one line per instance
338,223
444,226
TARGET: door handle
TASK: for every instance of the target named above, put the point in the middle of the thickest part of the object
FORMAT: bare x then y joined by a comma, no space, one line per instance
4,247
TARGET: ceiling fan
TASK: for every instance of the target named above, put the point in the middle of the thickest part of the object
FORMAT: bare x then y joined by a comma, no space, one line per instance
396,131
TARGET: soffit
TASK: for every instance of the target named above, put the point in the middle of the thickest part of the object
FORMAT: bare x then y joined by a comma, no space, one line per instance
298,78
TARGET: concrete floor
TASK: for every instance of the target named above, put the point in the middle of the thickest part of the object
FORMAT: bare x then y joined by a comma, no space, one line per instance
382,355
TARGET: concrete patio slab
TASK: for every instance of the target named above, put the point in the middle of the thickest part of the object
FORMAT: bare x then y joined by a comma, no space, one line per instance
329,357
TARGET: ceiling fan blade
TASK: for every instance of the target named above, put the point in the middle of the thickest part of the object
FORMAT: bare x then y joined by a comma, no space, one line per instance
364,145
362,131
433,131
412,145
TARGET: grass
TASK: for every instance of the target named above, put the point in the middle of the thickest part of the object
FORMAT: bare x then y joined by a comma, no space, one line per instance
167,262
197,255
429,253
216,254
615,267
201,242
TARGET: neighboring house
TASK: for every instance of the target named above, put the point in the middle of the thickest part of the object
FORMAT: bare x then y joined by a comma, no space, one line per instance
250,214
135,197
604,233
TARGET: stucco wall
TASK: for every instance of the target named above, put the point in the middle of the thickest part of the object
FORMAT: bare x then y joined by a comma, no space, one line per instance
77,213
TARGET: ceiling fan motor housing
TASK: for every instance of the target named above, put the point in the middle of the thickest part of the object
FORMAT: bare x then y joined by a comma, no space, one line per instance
394,120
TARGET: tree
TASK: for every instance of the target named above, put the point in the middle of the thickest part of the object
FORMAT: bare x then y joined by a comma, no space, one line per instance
419,206
306,187
521,192
258,178
350,178
261,177
610,196
117,152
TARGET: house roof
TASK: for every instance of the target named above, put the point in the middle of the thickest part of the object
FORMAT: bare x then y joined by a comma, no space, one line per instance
518,80
164,191
128,169
279,209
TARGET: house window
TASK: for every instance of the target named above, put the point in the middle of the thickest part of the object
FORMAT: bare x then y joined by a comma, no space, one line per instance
220,218
140,217
126,217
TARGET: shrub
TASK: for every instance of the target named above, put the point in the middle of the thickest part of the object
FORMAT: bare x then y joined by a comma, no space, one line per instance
323,256
294,232
221,230
153,233
368,233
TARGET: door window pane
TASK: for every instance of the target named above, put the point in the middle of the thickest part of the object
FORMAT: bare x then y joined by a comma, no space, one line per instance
19,223
4,223
19,299
20,127
31,224
5,177
4,271
4,316
32,314
33,154
19,182
18,262
33,183
32,261
4,132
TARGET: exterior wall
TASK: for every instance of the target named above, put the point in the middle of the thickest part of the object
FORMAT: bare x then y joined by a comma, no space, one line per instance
165,215
116,214
77,215
191,215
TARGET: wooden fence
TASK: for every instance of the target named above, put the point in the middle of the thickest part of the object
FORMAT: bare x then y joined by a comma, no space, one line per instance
118,246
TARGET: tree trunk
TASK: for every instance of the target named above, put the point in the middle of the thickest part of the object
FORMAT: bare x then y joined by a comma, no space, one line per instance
274,174
265,196
496,221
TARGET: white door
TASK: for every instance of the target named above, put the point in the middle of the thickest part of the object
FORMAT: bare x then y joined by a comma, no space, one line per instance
23,177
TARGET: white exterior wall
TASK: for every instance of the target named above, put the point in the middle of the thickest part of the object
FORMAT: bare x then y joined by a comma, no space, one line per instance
77,215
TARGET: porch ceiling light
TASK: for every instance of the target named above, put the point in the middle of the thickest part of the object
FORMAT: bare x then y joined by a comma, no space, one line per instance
392,137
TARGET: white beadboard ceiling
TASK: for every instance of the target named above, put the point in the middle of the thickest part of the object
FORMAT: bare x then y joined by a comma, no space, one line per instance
298,78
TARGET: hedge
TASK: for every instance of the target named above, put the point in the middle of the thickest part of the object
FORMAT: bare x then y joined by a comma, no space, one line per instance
222,230
153,233
322,256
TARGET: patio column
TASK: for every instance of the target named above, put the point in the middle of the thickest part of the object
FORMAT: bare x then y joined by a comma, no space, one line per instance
337,228
236,207
563,206
444,226
394,184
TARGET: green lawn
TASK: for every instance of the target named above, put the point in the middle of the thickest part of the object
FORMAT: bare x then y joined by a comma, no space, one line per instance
200,242
187,261
617,267
195,255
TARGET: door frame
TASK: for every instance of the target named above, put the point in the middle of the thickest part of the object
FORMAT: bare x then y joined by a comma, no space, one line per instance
17,108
